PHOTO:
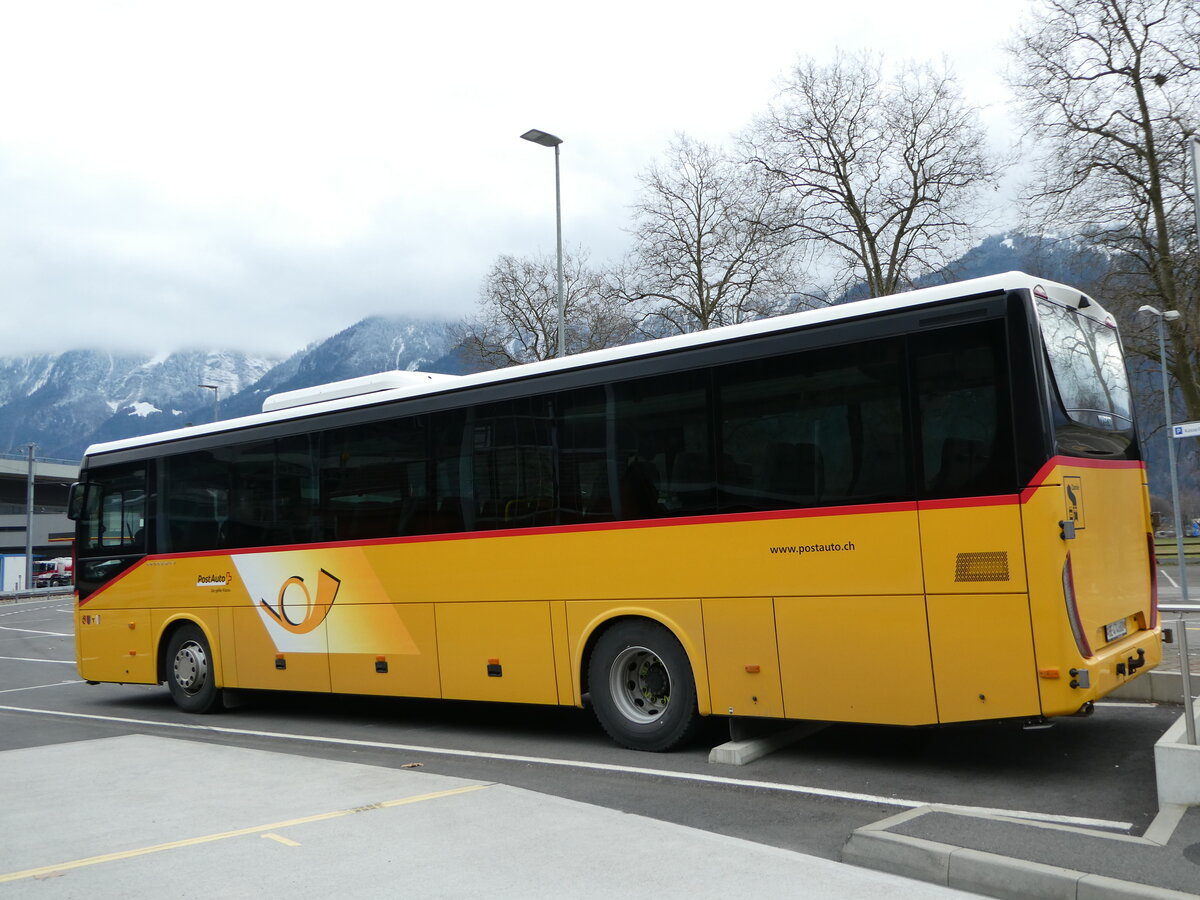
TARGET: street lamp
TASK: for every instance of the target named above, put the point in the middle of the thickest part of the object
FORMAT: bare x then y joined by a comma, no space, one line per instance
549,140
32,448
216,399
1171,315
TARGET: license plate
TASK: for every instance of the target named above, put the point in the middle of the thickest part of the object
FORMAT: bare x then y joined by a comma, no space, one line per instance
1114,630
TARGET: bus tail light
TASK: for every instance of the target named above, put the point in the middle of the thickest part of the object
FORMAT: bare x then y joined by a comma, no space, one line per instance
1081,641
1153,581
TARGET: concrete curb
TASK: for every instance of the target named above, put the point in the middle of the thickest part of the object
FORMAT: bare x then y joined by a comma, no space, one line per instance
990,874
740,752
1155,687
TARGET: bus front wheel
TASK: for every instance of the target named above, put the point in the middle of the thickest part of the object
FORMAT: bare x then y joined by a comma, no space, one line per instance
190,674
641,686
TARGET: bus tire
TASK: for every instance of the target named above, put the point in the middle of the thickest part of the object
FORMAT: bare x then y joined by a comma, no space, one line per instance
189,670
642,687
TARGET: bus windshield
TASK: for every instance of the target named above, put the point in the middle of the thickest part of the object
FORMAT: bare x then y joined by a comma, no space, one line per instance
1089,368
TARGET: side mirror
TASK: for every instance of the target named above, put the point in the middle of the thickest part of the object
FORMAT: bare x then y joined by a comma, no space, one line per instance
81,502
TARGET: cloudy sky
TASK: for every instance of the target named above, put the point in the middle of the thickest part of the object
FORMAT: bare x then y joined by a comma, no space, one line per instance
258,175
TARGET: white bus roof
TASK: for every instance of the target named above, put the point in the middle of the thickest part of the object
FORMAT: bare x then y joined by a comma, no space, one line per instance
392,386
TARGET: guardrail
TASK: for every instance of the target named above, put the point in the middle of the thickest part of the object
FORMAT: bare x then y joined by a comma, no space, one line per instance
1185,665
1165,547
38,459
65,591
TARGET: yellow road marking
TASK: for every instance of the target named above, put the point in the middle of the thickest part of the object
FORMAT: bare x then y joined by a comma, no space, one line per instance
287,842
209,838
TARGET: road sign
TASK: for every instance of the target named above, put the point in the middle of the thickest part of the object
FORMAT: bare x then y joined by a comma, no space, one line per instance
1186,429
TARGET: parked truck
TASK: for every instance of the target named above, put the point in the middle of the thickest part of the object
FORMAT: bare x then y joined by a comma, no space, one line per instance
53,572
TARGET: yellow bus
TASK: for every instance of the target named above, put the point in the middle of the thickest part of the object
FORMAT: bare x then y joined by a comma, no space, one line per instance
925,508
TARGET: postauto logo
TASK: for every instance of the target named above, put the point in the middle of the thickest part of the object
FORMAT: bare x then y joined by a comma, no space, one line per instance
302,617
293,594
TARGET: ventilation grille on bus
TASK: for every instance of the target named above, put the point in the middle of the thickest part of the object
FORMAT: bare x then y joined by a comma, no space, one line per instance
991,566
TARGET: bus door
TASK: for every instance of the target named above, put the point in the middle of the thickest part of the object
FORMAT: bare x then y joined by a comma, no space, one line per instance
110,513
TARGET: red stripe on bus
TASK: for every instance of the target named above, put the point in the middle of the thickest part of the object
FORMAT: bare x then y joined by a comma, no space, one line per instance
1040,479
1077,463
969,502
766,516
624,524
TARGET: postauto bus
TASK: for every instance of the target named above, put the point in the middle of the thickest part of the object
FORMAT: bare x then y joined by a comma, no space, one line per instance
924,508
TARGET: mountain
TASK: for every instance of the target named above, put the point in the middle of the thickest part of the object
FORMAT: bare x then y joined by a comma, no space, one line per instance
64,402
376,344
1047,257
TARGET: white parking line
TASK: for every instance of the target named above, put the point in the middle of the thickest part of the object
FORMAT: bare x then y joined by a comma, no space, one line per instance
34,687
63,662
31,631
18,608
602,767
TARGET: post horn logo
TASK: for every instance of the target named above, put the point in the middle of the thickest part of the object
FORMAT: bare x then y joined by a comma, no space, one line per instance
314,612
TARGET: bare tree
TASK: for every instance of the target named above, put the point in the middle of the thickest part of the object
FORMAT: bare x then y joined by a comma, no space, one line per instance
1110,89
882,174
710,245
517,319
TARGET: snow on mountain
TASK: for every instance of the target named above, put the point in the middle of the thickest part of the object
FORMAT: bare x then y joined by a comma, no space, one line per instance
64,402
376,344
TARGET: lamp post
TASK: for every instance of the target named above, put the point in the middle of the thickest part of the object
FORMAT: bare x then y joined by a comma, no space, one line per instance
549,140
216,389
1193,145
29,520
1171,315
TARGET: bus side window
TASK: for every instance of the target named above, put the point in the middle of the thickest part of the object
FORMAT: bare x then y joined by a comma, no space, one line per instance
111,535
587,468
195,498
819,427
663,451
116,524
373,480
963,411
512,464
449,512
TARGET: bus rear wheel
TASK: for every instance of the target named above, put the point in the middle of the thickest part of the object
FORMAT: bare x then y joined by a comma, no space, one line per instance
190,674
642,687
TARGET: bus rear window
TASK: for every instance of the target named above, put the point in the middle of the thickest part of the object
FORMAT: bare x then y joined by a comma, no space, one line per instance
1089,368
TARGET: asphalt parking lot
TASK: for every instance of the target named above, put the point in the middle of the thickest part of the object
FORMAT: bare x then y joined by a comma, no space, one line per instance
1095,774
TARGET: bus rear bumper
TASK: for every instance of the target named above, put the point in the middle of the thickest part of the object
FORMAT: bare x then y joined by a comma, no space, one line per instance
1112,667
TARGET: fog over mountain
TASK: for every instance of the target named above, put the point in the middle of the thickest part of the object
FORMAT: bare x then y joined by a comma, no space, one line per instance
63,402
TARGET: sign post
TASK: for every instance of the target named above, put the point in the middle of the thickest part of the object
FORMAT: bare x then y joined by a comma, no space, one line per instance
1184,663
1183,430
1187,429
